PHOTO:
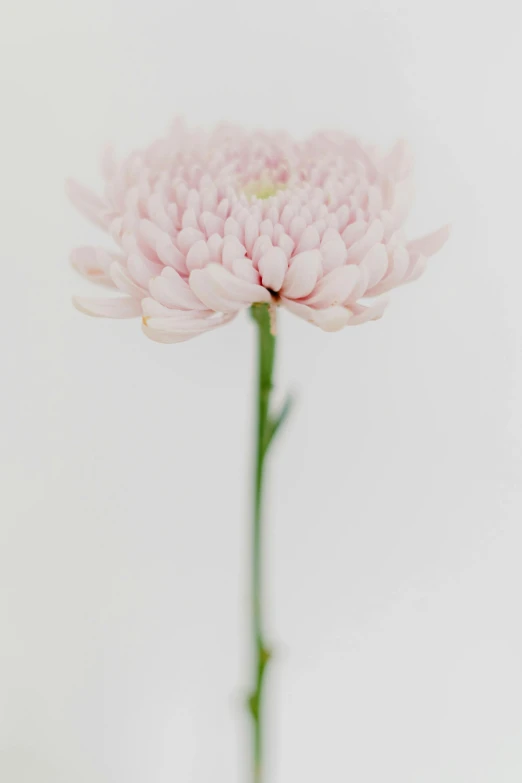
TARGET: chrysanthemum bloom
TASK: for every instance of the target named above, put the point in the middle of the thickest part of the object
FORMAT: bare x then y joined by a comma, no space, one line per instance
207,224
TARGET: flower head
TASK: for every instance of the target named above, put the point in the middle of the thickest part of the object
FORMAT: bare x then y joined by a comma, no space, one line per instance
207,224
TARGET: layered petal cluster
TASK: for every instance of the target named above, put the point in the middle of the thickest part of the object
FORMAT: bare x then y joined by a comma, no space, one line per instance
207,224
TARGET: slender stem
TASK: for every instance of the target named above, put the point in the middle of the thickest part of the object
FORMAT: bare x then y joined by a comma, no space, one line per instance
265,430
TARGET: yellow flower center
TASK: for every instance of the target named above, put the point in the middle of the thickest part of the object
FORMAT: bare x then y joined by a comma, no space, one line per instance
263,188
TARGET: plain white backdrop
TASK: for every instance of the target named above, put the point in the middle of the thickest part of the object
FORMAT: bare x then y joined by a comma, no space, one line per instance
395,509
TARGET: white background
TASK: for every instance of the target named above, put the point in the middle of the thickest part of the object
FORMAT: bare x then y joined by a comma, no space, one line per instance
394,524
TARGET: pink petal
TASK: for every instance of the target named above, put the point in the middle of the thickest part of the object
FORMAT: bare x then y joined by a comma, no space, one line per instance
399,266
403,199
261,246
121,307
266,228
417,268
360,248
232,249
361,286
302,275
375,262
397,162
299,309
172,330
297,227
211,293
287,244
188,237
125,283
198,256
335,287
354,232
232,228
158,214
251,232
212,224
172,291
309,240
272,268
244,269
343,216
430,244
332,319
215,246
150,232
372,313
154,309
189,220
236,289
141,270
86,261
334,254
169,254
88,203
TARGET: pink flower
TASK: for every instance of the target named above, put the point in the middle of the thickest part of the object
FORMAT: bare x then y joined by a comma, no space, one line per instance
206,224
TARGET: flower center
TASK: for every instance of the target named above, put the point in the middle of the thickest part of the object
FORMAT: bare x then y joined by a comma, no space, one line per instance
263,188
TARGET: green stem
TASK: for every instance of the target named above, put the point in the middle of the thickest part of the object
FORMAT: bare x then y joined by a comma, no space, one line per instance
265,429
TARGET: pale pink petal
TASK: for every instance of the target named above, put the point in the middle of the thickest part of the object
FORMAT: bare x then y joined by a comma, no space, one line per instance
152,308
88,203
232,228
287,244
334,254
121,307
360,287
171,290
215,246
86,261
198,256
251,232
364,314
232,249
172,330
169,254
332,319
236,289
400,262
302,275
141,270
299,309
266,228
261,246
272,268
354,232
376,264
429,244
360,248
188,237
243,268
211,293
151,233
417,268
190,220
211,224
403,199
309,239
398,162
125,283
336,287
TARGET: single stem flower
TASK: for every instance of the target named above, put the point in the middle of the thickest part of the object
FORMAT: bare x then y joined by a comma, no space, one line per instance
208,224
